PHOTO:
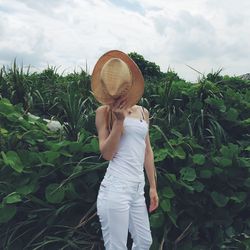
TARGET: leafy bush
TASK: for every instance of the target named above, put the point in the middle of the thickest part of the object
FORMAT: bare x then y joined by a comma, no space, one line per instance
49,180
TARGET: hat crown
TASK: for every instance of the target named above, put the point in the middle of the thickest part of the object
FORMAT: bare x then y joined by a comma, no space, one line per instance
116,77
130,84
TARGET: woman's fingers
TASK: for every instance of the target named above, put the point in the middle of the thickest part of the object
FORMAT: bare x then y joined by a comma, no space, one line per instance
117,103
120,103
153,203
123,105
152,207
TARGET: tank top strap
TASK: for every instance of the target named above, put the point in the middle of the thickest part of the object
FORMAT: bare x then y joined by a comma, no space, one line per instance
142,111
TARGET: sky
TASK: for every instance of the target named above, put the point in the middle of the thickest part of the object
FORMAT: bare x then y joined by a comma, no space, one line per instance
207,35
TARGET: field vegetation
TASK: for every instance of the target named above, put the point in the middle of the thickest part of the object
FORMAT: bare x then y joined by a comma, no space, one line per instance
200,134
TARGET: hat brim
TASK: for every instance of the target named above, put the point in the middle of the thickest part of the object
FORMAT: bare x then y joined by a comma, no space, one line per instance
135,92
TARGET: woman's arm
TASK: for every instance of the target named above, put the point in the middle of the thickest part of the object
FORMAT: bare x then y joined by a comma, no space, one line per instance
108,143
151,171
149,163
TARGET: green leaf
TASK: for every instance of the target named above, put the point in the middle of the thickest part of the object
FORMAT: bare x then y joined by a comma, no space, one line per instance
70,191
7,109
95,145
245,123
244,162
92,147
65,153
168,192
12,159
205,173
225,162
230,151
156,219
13,197
78,147
218,170
239,197
160,154
217,103
54,146
232,114
198,159
188,187
26,189
222,161
246,242
180,153
170,177
3,131
198,186
188,174
7,212
51,156
219,199
54,194
165,205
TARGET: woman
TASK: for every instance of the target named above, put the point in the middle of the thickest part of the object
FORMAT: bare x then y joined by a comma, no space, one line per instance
124,141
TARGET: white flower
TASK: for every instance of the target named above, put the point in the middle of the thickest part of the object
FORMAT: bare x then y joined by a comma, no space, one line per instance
54,125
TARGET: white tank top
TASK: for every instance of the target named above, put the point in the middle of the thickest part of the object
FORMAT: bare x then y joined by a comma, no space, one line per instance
128,161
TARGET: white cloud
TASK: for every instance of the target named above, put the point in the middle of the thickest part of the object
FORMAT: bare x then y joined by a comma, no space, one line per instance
203,34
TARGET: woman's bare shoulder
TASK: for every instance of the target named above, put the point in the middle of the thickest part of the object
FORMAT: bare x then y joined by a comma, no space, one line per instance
101,114
143,108
102,109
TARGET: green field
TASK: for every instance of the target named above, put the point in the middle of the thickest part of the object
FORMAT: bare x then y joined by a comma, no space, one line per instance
200,135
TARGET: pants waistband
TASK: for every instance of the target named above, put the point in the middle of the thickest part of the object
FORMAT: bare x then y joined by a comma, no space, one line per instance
140,179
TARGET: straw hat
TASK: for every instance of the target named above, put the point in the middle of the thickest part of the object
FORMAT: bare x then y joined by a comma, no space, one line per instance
116,74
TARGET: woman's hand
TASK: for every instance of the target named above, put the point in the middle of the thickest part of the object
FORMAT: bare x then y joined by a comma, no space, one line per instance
119,108
154,199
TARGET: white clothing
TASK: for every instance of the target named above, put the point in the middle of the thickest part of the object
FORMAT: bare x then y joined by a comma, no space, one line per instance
129,158
120,202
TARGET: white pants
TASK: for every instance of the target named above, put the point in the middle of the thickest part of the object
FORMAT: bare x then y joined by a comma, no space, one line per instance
121,207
